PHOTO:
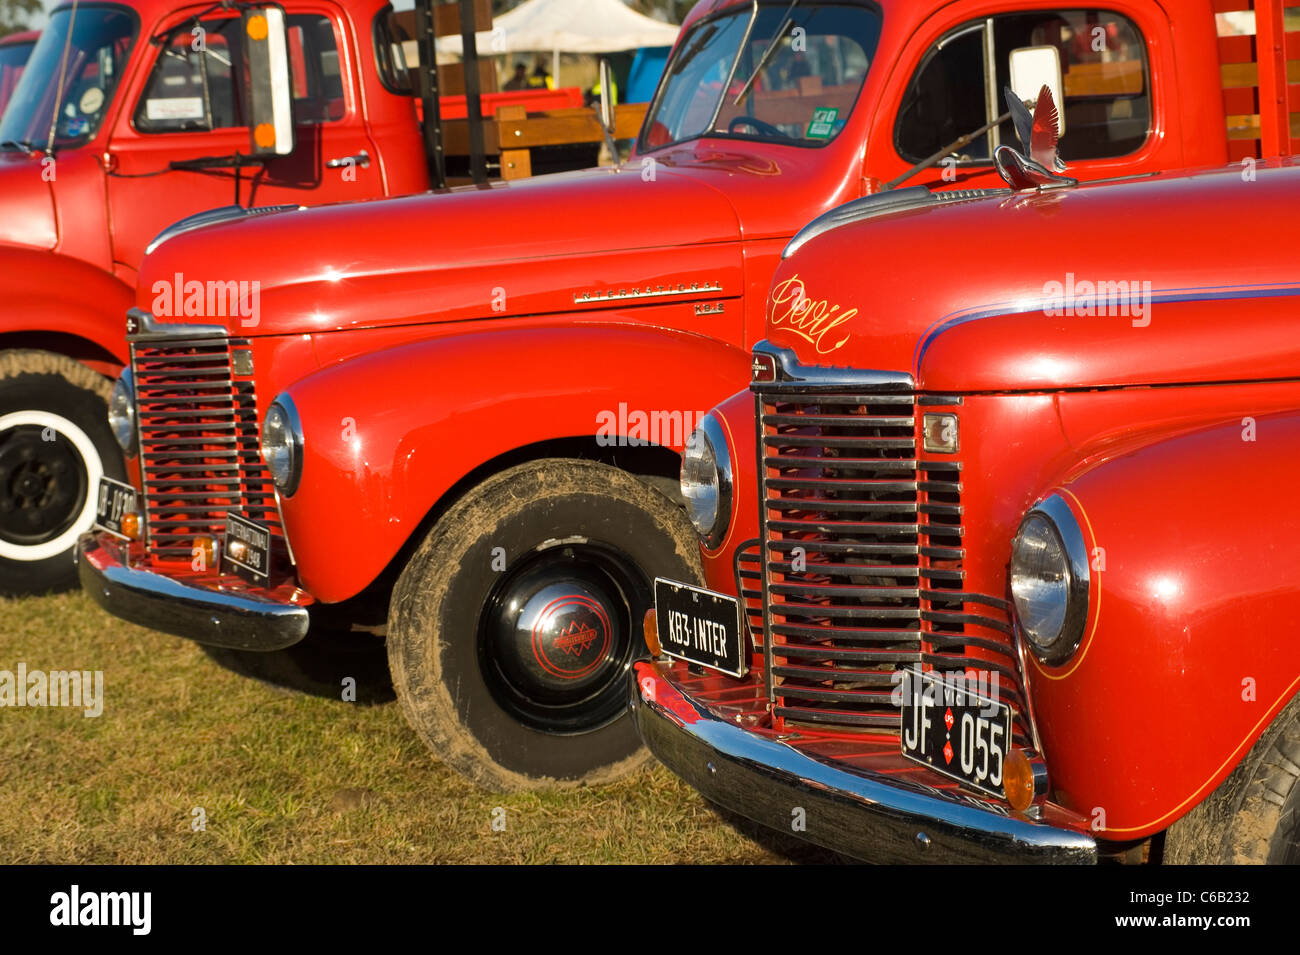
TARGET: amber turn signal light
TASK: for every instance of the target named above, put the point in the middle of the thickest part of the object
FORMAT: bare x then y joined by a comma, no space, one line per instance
205,548
651,627
1018,780
131,526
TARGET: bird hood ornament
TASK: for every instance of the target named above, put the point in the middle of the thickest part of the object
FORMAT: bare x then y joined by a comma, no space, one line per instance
1037,165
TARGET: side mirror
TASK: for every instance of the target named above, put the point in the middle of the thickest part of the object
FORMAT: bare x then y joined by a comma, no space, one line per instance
268,99
1032,68
607,97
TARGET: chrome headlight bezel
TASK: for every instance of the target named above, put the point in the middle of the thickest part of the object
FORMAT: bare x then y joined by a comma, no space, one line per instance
707,451
121,413
1052,516
283,459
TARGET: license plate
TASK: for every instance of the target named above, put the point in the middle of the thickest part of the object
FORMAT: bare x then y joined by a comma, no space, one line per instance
956,732
116,500
247,550
700,626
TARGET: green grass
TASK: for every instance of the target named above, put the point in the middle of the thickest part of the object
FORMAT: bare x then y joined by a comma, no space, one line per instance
286,777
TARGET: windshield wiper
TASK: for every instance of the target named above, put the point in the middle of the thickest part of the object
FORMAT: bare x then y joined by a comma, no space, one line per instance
786,22
28,149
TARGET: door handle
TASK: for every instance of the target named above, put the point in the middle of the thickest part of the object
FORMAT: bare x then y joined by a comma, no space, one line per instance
361,159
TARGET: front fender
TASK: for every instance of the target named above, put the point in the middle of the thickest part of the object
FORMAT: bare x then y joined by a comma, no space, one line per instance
388,434
47,292
1192,643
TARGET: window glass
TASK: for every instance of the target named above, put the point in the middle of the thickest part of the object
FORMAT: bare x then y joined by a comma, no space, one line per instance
88,55
1104,61
389,37
1104,65
197,82
802,90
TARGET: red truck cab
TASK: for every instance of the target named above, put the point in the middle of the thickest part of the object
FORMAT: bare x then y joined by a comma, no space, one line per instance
481,438
148,121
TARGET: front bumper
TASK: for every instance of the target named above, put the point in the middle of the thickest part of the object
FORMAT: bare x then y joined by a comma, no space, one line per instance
868,815
237,619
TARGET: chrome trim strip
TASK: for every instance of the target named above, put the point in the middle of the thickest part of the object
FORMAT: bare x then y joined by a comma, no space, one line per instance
240,621
143,327
793,377
863,814
880,204
215,217
659,291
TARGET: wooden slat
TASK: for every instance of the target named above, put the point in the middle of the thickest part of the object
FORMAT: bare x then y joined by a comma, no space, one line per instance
1124,78
562,126
1245,75
451,78
446,18
1248,127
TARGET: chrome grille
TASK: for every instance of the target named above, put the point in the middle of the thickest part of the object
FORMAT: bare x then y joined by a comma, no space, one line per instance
862,556
198,443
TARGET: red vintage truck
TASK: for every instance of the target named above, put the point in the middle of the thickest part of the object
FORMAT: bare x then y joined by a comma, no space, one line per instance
14,51
477,443
152,127
1015,583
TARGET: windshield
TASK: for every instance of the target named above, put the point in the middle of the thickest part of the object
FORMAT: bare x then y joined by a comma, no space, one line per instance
804,90
101,39
12,58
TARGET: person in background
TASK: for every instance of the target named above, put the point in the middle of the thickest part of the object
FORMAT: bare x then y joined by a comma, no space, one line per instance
519,81
541,79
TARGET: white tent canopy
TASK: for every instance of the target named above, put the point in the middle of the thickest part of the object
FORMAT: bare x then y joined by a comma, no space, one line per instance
567,26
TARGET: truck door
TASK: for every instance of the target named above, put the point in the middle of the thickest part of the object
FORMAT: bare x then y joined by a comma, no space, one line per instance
173,149
956,87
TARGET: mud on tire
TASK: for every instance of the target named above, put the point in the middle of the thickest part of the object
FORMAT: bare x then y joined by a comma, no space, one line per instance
1254,815
514,625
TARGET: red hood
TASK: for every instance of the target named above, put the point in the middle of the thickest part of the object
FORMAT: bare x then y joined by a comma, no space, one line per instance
956,294
525,247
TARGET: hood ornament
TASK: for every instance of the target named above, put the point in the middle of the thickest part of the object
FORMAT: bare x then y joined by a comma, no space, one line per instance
1037,165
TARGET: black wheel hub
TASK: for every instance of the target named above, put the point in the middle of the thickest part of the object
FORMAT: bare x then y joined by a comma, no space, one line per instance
42,485
557,636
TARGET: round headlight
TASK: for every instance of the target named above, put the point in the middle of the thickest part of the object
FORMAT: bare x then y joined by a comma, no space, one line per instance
706,481
121,412
282,444
1049,580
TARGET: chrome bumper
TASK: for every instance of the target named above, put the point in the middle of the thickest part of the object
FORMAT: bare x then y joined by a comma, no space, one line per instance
864,815
240,621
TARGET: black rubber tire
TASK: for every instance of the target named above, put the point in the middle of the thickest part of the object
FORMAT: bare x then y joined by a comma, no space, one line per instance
433,624
33,381
1253,817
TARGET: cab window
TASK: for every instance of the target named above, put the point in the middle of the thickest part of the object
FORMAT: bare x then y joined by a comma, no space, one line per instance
1106,86
196,83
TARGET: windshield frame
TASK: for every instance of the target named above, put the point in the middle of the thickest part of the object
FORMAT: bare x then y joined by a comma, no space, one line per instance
112,103
643,147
